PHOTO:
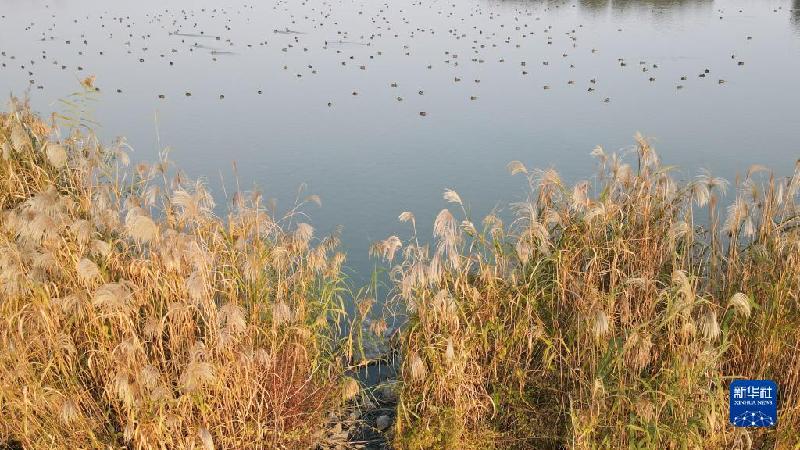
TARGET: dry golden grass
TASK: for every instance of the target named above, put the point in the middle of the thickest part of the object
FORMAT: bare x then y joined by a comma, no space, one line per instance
608,314
131,316
604,315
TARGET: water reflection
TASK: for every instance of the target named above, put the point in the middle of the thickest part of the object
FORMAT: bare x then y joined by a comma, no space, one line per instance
622,6
794,14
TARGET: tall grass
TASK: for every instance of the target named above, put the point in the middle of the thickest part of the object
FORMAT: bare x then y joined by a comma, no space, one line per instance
131,316
613,313
609,314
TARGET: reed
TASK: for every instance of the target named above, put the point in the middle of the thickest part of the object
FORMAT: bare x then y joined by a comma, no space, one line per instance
132,316
609,314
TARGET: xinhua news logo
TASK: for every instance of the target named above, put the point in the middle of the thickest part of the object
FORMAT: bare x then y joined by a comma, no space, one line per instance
754,403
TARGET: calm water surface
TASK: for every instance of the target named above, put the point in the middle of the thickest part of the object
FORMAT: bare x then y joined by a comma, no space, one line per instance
370,156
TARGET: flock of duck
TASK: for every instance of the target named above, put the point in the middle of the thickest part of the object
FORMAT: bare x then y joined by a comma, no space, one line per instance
500,30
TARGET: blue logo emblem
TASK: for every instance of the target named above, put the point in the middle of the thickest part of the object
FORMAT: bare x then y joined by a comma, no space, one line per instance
754,403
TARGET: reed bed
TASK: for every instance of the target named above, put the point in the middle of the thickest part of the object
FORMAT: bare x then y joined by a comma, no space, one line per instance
133,317
609,314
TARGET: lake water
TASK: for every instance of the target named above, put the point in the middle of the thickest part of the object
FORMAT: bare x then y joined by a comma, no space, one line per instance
370,156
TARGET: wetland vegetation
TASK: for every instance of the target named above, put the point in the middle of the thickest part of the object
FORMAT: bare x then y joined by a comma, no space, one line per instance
609,313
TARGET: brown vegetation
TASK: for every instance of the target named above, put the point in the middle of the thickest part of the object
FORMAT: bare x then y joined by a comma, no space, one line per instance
609,314
605,315
131,316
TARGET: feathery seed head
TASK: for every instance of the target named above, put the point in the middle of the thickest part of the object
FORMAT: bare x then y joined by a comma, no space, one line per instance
685,289
281,313
741,303
205,438
365,306
600,324
99,248
70,412
57,155
378,327
82,230
737,212
386,248
5,150
688,329
599,153
580,198
452,196
700,193
405,216
153,328
87,270
709,325
449,353
150,376
123,389
469,228
598,388
350,388
196,375
515,167
677,230
112,298
303,233
19,138
232,317
141,228
197,286
418,369
444,227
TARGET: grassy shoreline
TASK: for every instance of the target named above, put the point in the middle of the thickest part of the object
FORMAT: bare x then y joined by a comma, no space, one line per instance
603,316
132,316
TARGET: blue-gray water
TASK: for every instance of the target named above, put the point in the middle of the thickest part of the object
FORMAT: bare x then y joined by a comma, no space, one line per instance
370,156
